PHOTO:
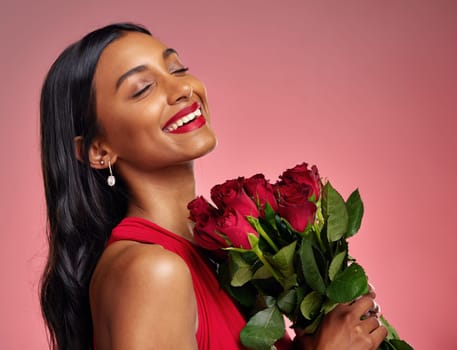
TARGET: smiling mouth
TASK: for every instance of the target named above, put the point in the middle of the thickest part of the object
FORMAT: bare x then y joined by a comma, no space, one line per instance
185,120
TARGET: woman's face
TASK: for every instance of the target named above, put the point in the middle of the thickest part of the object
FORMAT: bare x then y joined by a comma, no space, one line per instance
152,112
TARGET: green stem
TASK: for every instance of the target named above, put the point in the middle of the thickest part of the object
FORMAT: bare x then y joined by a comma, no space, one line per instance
318,235
269,241
264,235
318,224
264,261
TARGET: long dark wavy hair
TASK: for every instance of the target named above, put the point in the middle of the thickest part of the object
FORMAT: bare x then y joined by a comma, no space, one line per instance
81,208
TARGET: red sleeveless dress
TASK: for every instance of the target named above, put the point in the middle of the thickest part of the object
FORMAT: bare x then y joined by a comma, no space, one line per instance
219,321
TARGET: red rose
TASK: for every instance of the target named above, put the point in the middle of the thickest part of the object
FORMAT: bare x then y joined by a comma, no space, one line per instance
300,174
235,227
294,206
205,215
232,194
261,191
200,206
209,241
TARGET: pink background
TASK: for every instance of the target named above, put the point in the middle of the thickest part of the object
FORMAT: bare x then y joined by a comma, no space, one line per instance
367,90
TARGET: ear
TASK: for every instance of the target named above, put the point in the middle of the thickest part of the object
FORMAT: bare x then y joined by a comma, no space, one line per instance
99,153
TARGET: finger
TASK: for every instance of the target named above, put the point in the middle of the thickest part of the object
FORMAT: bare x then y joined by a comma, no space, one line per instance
376,308
370,324
374,311
362,305
378,335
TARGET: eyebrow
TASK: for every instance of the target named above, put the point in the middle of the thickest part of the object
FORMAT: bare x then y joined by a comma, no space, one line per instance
166,53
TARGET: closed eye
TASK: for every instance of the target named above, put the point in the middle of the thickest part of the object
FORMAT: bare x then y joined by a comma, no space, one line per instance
142,91
182,70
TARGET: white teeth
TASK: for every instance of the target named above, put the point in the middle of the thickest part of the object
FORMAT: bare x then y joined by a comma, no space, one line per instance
180,122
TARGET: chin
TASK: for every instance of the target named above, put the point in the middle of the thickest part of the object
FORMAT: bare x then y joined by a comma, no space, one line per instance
204,147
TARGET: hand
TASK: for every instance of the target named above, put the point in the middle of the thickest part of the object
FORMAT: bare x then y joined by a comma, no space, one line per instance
352,326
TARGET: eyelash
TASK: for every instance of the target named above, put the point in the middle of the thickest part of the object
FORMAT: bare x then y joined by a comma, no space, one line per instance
181,70
143,90
147,86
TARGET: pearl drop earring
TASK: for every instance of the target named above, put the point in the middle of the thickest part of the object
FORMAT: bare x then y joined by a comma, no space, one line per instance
111,179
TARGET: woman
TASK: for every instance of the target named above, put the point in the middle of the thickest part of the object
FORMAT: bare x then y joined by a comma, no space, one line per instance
121,122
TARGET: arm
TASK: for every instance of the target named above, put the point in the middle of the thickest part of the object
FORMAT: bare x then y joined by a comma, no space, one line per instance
147,301
343,329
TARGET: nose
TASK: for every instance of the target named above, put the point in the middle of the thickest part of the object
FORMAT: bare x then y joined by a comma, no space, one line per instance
178,90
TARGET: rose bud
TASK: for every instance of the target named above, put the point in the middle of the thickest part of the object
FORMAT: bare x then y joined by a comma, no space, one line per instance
258,188
294,206
235,227
300,174
232,194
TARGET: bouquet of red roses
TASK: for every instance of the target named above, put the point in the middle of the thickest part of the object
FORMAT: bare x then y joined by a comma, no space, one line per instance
282,250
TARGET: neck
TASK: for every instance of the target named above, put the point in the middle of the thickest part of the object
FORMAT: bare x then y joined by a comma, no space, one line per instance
161,196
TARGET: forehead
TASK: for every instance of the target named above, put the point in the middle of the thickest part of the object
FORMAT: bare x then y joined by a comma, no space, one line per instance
128,51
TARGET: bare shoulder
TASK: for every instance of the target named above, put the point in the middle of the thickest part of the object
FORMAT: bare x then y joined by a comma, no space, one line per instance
142,297
132,262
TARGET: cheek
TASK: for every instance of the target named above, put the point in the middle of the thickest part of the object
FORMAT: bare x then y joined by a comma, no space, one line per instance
135,119
127,131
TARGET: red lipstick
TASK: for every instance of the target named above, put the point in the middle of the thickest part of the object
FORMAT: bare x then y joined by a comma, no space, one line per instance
183,112
187,119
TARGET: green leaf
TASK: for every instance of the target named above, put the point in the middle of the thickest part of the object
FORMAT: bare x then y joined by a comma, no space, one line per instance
263,329
269,301
269,214
328,306
335,213
391,332
253,240
400,344
290,282
240,270
385,345
284,228
309,267
348,284
302,290
311,305
287,301
336,264
283,260
245,295
262,273
354,206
